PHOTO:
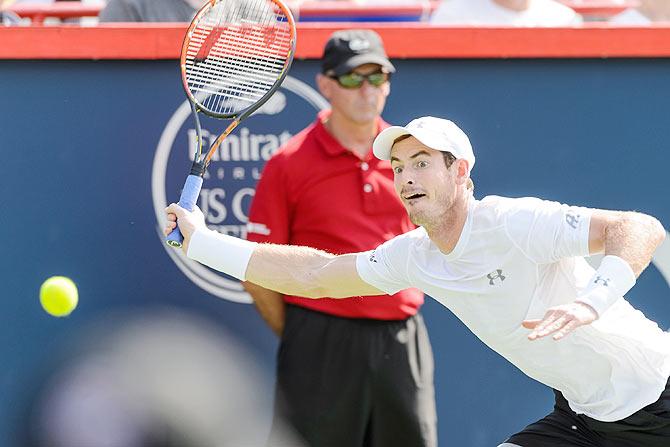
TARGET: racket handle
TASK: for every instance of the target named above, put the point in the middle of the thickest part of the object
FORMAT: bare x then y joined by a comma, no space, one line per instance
188,199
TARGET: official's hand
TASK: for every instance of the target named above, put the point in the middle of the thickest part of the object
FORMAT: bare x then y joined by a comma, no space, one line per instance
561,320
188,221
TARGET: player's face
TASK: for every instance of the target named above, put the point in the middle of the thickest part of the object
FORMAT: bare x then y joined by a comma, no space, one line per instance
359,104
425,185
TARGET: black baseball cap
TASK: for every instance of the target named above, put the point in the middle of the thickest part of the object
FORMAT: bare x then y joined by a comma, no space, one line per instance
348,49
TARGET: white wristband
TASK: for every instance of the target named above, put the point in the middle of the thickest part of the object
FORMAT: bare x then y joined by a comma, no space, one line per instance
613,279
221,252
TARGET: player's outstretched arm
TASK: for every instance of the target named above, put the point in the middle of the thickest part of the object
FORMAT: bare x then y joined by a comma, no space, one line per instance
300,271
307,272
628,241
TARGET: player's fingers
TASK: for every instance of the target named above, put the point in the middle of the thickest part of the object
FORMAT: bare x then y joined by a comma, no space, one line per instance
169,227
548,319
565,330
531,324
556,325
175,209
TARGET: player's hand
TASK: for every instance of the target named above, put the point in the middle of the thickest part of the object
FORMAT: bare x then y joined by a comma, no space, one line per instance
561,320
188,221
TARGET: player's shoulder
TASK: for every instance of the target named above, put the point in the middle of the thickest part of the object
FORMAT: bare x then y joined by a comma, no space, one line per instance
496,210
416,237
506,204
417,234
498,206
403,246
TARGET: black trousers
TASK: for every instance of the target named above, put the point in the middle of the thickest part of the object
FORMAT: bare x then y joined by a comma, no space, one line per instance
649,427
355,382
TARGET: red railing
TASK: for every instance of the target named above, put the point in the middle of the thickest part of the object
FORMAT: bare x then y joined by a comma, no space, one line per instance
412,40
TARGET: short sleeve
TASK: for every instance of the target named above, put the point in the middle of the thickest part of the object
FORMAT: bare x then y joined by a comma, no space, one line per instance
548,231
386,267
269,213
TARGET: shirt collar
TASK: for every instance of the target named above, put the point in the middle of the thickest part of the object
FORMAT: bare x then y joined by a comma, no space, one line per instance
333,147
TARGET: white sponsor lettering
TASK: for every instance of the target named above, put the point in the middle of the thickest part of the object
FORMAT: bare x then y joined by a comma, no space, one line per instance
212,206
237,203
245,146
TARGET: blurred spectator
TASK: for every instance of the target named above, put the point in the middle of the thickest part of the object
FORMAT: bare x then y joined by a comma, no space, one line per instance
7,17
150,10
647,12
160,378
505,13
48,19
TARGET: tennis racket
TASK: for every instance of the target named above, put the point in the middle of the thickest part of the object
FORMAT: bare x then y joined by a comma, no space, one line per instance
235,55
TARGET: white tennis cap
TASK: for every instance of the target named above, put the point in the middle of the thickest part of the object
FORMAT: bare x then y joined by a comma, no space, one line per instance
436,133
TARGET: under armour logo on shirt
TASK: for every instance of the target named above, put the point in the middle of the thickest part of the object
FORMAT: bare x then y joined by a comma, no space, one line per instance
497,274
572,219
600,280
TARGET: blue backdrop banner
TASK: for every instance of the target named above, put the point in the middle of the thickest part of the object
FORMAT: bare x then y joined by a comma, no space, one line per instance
94,151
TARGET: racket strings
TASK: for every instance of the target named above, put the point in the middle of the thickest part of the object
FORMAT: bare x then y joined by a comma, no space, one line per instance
236,53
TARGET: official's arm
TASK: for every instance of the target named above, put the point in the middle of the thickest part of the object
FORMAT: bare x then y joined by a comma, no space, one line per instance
270,305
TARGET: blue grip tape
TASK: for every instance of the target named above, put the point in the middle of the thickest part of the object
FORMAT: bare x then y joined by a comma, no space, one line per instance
188,199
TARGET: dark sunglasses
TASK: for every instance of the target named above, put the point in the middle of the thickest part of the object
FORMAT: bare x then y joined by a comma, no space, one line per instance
355,80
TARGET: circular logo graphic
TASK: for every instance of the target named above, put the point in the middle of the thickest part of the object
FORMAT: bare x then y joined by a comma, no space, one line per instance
230,181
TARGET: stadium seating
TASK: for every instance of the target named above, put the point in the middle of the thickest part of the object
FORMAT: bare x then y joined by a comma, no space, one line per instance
322,11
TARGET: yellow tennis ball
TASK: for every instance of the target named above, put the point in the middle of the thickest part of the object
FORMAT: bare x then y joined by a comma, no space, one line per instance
59,296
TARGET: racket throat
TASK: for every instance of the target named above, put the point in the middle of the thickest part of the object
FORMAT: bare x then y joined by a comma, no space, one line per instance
198,168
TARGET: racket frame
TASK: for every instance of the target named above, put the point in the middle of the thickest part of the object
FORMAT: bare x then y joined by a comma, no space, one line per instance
193,183
200,166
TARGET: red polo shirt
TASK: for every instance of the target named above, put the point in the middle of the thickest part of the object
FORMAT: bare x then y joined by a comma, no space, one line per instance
314,192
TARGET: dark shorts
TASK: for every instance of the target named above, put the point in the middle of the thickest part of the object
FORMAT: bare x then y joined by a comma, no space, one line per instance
355,382
649,427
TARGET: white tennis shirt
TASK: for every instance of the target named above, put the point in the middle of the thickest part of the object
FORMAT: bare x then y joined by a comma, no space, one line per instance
514,259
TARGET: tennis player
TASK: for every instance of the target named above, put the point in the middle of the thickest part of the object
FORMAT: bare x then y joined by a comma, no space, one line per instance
513,271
